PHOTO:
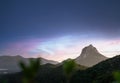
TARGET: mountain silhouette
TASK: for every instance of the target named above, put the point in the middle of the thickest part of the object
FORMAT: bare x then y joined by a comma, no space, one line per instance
99,73
90,56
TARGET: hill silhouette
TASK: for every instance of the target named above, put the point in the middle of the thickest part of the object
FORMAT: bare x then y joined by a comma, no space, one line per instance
100,73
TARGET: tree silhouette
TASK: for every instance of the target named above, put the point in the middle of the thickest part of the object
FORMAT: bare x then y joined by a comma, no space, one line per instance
30,71
69,67
117,76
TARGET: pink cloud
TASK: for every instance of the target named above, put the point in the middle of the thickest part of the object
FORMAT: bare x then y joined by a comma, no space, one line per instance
60,48
22,47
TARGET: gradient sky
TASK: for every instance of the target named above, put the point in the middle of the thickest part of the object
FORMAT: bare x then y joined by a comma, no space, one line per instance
58,29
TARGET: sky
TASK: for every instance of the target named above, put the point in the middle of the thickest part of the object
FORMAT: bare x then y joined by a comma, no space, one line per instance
59,29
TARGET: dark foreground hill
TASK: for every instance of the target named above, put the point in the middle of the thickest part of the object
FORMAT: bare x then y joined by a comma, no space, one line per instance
100,73
48,73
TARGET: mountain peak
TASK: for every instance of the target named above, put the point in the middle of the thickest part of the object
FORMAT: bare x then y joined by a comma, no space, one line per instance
89,49
90,56
90,46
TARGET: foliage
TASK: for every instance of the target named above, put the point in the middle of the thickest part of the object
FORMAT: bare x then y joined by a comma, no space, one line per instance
30,71
117,76
69,67
100,73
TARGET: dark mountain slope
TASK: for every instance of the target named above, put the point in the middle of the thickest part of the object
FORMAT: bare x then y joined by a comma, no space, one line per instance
48,74
100,73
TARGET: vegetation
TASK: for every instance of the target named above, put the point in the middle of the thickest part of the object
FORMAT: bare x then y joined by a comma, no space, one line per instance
100,73
116,77
30,71
69,67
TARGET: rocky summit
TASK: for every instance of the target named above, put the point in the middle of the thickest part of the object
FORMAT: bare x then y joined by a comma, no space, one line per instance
90,56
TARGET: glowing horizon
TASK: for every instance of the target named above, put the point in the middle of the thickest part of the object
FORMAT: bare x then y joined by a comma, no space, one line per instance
61,48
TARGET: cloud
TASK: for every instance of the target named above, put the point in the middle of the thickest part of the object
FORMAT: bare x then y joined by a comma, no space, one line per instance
60,48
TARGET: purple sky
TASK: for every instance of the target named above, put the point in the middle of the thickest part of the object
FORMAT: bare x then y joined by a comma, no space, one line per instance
58,29
61,48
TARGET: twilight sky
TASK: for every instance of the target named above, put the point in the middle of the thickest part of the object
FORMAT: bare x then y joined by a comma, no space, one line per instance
58,29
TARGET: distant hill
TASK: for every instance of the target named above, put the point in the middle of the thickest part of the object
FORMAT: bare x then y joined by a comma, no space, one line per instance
12,62
90,56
